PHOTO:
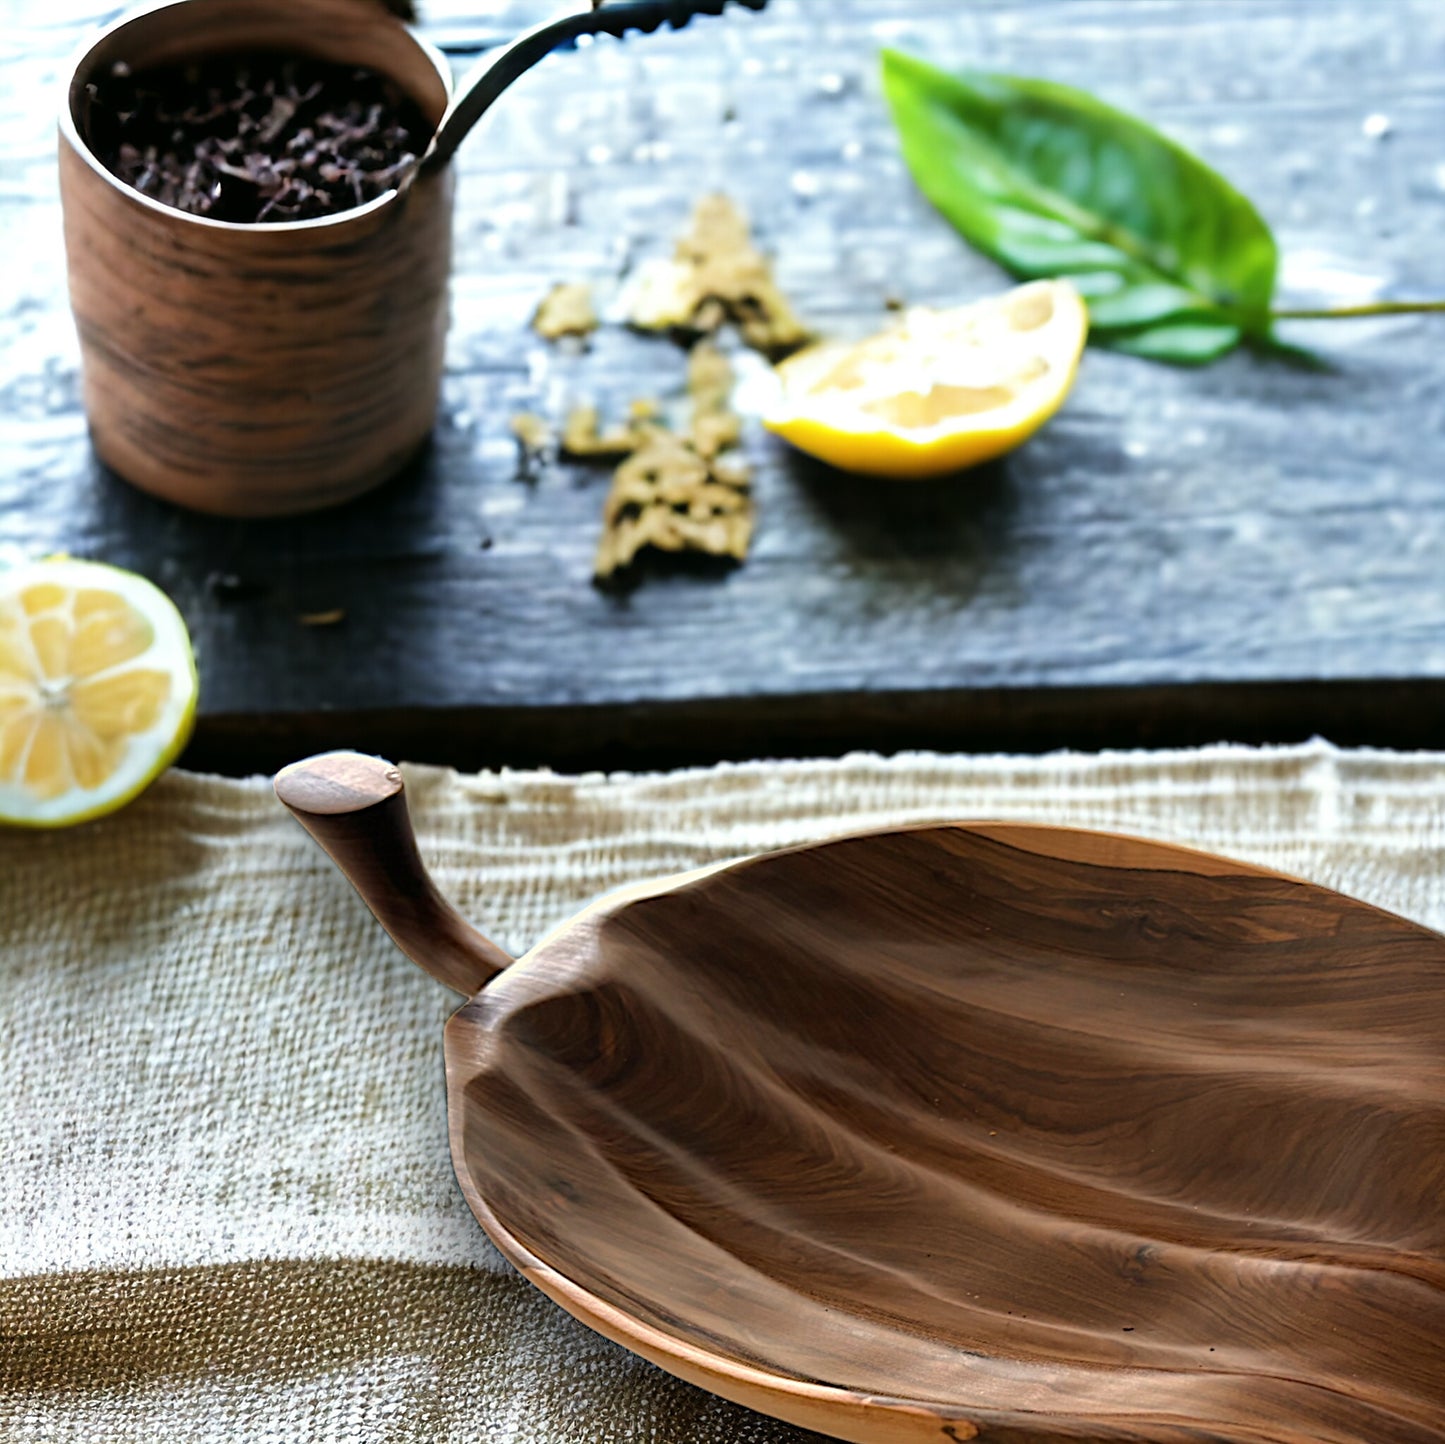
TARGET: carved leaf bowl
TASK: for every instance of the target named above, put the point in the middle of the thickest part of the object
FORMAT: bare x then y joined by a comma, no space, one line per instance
963,1131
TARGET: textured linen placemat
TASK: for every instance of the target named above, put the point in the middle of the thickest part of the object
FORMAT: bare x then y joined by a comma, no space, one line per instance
226,1206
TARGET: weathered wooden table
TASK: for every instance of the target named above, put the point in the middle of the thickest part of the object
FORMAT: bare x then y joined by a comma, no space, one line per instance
1250,551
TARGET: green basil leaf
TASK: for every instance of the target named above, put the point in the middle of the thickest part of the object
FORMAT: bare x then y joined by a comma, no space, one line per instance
1049,181
1185,342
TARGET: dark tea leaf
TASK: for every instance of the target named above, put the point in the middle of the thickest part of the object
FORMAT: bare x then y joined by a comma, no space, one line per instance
257,137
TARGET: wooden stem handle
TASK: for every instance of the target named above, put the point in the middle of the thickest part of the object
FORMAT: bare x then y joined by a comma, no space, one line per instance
355,807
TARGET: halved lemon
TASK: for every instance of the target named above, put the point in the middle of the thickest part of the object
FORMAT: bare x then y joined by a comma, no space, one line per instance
939,391
97,690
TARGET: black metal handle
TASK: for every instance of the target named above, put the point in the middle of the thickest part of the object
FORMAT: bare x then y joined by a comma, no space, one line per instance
649,15
481,86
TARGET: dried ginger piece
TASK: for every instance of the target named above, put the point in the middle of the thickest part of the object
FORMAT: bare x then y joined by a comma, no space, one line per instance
683,492
566,310
532,431
715,425
582,434
666,496
717,275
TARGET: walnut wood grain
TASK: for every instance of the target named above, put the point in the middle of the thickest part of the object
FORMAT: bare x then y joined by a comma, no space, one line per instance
982,1130
1008,1132
257,370
355,807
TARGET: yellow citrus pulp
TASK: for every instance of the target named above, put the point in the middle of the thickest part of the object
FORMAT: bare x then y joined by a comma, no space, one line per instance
97,690
940,390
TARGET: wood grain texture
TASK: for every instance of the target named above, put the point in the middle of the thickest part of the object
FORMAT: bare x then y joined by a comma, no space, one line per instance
257,370
355,807
1248,551
984,1131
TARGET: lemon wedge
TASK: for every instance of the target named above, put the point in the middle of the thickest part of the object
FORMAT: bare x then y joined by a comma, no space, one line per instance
97,690
940,390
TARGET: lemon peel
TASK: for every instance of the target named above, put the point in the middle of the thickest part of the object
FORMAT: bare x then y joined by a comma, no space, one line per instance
939,390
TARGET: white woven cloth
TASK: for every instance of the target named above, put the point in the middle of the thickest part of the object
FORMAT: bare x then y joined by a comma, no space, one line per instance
226,1208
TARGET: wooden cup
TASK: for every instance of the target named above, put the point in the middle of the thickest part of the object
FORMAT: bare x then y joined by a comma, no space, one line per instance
257,370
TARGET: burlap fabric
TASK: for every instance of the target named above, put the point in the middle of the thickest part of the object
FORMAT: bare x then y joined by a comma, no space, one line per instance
226,1206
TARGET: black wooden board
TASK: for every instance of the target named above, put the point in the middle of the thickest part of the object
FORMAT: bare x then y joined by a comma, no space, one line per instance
1251,550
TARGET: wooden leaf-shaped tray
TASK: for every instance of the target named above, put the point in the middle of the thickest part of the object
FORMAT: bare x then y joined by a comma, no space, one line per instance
967,1131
